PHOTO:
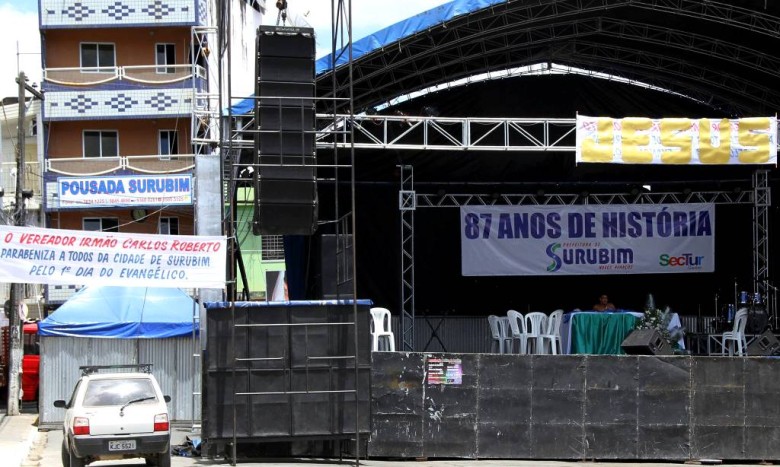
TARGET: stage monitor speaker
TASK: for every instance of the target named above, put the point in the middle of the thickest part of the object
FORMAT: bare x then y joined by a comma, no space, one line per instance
286,201
646,342
764,345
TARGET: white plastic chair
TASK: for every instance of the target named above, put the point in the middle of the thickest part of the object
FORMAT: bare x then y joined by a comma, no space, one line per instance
517,332
737,335
497,341
553,333
382,337
534,327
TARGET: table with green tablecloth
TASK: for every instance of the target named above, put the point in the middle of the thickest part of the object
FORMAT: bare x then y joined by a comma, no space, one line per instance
600,333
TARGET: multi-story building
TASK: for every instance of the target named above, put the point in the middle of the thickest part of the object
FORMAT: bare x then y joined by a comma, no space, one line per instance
32,180
132,110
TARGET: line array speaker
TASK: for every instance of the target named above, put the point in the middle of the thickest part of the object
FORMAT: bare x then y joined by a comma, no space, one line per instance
285,181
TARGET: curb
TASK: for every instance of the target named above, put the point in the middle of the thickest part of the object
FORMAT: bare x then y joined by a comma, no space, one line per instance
26,446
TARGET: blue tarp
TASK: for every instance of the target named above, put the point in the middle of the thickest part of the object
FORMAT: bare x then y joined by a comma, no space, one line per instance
388,35
124,313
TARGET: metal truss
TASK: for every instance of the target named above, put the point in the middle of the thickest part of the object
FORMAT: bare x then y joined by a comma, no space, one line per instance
406,204
409,201
500,38
763,202
440,133
457,200
206,114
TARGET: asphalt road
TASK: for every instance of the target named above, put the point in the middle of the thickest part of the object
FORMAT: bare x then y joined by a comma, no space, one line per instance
45,452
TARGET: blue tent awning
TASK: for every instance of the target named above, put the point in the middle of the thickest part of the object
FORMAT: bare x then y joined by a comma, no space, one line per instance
410,26
123,312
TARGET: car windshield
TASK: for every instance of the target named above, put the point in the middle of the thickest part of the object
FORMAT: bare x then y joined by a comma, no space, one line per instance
105,392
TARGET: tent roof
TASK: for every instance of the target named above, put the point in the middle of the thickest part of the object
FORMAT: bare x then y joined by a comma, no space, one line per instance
123,312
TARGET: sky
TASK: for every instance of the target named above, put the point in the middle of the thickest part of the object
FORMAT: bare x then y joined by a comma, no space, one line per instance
19,20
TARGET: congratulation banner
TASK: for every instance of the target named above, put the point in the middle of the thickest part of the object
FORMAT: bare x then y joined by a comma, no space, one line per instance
572,240
51,256
677,140
146,190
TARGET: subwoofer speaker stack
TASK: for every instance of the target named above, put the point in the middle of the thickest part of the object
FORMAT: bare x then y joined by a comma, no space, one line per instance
285,179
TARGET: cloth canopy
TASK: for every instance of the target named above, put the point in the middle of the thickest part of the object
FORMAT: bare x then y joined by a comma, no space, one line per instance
123,312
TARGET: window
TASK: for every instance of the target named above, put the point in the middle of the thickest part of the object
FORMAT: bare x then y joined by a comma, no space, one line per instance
169,226
273,247
169,143
99,143
166,55
101,224
115,391
100,56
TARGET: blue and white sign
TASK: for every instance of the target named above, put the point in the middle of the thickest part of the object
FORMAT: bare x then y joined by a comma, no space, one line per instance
576,240
137,190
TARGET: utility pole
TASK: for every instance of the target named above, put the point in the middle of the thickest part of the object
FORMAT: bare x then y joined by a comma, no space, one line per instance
14,317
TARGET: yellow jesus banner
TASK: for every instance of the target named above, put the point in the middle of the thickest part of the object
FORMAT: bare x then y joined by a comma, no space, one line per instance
639,140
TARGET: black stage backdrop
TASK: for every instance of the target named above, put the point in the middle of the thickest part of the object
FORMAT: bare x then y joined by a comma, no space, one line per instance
439,286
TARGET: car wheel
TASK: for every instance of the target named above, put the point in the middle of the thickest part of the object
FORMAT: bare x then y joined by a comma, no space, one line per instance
65,455
164,459
76,461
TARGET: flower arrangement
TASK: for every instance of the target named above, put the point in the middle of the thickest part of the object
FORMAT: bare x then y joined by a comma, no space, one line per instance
658,319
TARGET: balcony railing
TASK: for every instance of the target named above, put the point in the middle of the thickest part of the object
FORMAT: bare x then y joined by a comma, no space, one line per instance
90,166
32,177
146,74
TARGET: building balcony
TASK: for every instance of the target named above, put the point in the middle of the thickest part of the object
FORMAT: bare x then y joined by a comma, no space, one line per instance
31,181
92,166
145,74
121,92
55,14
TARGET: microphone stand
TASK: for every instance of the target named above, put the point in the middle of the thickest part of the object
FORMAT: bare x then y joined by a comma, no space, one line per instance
717,315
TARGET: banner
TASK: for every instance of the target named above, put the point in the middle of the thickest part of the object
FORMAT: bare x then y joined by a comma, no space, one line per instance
146,190
677,140
52,256
573,240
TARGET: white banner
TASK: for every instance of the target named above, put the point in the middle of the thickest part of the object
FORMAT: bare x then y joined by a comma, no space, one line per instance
52,256
137,190
587,239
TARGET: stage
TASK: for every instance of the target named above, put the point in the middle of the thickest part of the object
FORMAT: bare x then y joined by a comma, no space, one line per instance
574,407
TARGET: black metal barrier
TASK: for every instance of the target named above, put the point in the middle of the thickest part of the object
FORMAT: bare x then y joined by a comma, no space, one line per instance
628,407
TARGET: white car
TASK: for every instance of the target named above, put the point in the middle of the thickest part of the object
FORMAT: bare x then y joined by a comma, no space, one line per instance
116,416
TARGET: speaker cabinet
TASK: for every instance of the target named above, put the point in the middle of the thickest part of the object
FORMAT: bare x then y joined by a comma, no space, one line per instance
764,345
288,374
646,342
285,181
336,278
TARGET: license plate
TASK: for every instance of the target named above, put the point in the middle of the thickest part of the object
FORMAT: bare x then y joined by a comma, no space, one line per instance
125,445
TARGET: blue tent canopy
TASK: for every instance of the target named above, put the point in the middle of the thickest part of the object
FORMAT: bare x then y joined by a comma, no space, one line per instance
410,26
124,313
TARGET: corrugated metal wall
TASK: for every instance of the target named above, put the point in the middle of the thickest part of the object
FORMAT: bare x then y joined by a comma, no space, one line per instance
172,361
